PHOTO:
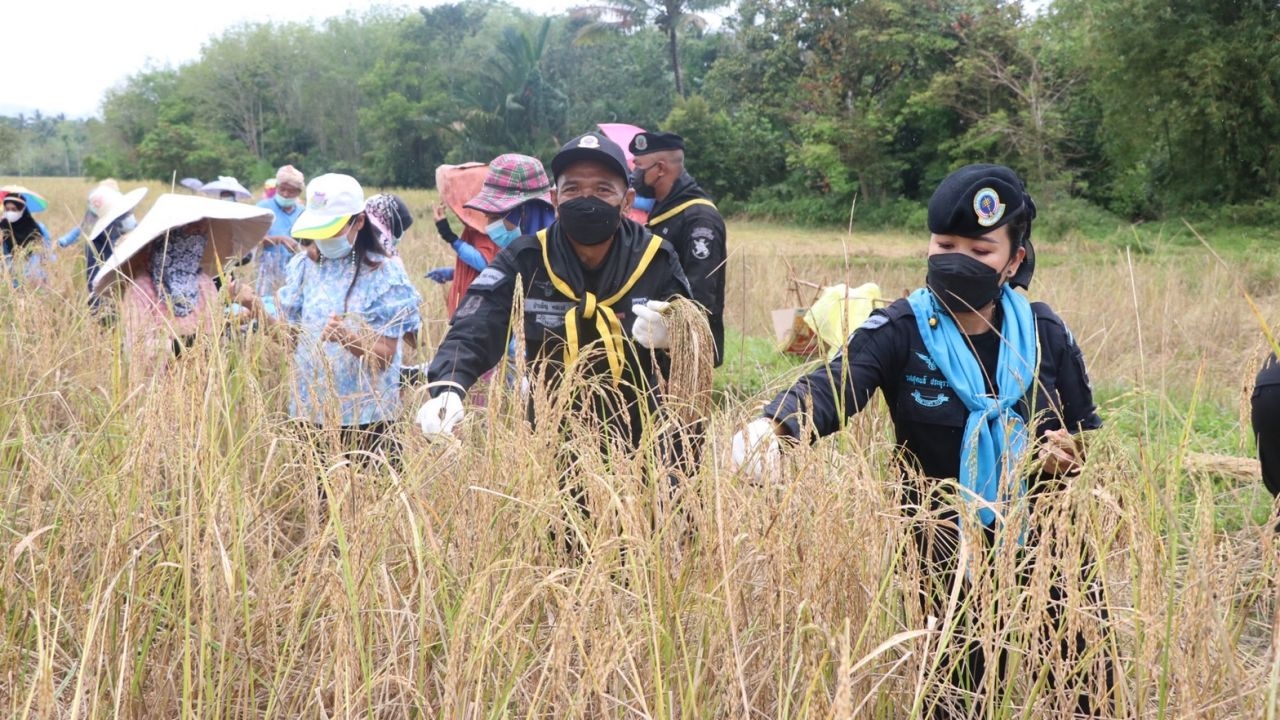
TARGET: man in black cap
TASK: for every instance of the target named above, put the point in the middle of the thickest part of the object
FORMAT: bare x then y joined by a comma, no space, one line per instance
594,283
977,380
684,214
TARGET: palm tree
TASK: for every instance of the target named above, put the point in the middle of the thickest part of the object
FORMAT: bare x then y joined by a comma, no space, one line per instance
625,16
515,105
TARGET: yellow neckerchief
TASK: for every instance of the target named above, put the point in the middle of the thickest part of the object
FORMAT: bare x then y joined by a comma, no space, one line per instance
607,323
677,210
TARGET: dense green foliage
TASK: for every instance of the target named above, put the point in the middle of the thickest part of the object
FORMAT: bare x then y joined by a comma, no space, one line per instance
798,108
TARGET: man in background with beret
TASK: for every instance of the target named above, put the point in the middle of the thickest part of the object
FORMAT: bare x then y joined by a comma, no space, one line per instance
978,381
684,214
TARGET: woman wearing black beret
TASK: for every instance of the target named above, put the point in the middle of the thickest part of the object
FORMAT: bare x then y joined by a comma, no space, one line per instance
980,384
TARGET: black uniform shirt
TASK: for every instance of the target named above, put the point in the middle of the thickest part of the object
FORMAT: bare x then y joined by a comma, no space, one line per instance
887,353
1269,374
478,335
698,235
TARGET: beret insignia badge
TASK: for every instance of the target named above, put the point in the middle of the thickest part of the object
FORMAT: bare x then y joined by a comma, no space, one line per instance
987,205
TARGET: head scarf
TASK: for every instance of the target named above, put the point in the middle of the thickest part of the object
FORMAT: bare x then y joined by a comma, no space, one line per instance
20,233
175,265
391,217
290,174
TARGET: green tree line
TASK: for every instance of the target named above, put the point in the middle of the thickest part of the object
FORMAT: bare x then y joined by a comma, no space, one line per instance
799,108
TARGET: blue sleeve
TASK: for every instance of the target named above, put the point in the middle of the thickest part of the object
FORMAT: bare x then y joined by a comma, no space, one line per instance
393,309
289,297
470,255
69,238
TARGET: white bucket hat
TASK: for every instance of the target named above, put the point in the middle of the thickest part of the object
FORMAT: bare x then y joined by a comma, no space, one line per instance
108,204
331,201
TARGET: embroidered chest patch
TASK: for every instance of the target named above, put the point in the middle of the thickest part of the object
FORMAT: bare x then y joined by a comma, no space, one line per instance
929,402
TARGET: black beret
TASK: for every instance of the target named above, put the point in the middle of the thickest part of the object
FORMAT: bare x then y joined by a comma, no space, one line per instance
591,146
977,199
652,142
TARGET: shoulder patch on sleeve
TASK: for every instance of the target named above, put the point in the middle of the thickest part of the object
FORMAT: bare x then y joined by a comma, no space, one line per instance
469,307
876,320
488,278
701,248
883,316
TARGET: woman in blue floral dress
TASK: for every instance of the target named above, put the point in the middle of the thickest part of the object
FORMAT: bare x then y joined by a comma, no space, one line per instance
349,307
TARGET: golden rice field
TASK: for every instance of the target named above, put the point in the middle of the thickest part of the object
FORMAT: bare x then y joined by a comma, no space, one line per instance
164,551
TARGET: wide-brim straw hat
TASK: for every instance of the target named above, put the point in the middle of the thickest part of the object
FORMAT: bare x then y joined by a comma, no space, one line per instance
30,198
225,183
511,181
458,184
110,205
234,230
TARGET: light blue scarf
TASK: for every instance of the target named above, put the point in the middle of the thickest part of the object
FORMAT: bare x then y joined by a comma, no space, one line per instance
995,436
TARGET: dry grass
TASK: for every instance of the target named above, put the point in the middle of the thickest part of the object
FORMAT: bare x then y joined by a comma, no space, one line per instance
164,553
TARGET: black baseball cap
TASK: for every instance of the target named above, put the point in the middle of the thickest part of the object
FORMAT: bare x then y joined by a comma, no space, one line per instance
591,146
977,199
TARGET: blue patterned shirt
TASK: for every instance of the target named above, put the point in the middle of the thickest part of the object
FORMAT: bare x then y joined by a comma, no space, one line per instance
330,383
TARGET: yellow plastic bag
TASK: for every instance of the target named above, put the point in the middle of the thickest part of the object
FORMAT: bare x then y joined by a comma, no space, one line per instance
839,310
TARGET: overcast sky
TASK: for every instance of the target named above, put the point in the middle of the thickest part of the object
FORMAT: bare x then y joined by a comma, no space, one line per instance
72,51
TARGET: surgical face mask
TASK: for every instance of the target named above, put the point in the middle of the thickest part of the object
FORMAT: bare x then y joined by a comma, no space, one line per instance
500,235
13,216
962,283
589,220
127,223
284,202
335,248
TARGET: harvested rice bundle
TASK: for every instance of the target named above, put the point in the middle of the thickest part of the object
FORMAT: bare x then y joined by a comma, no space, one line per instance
687,386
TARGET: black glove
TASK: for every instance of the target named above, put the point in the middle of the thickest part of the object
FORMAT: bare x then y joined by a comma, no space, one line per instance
446,232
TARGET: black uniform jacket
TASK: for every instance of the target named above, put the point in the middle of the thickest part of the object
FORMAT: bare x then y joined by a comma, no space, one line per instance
698,234
888,353
478,336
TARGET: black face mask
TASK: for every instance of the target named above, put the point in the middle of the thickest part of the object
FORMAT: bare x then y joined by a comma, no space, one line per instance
589,220
642,188
962,283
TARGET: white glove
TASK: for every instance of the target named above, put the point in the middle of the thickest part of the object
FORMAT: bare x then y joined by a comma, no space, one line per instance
440,414
650,328
757,449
